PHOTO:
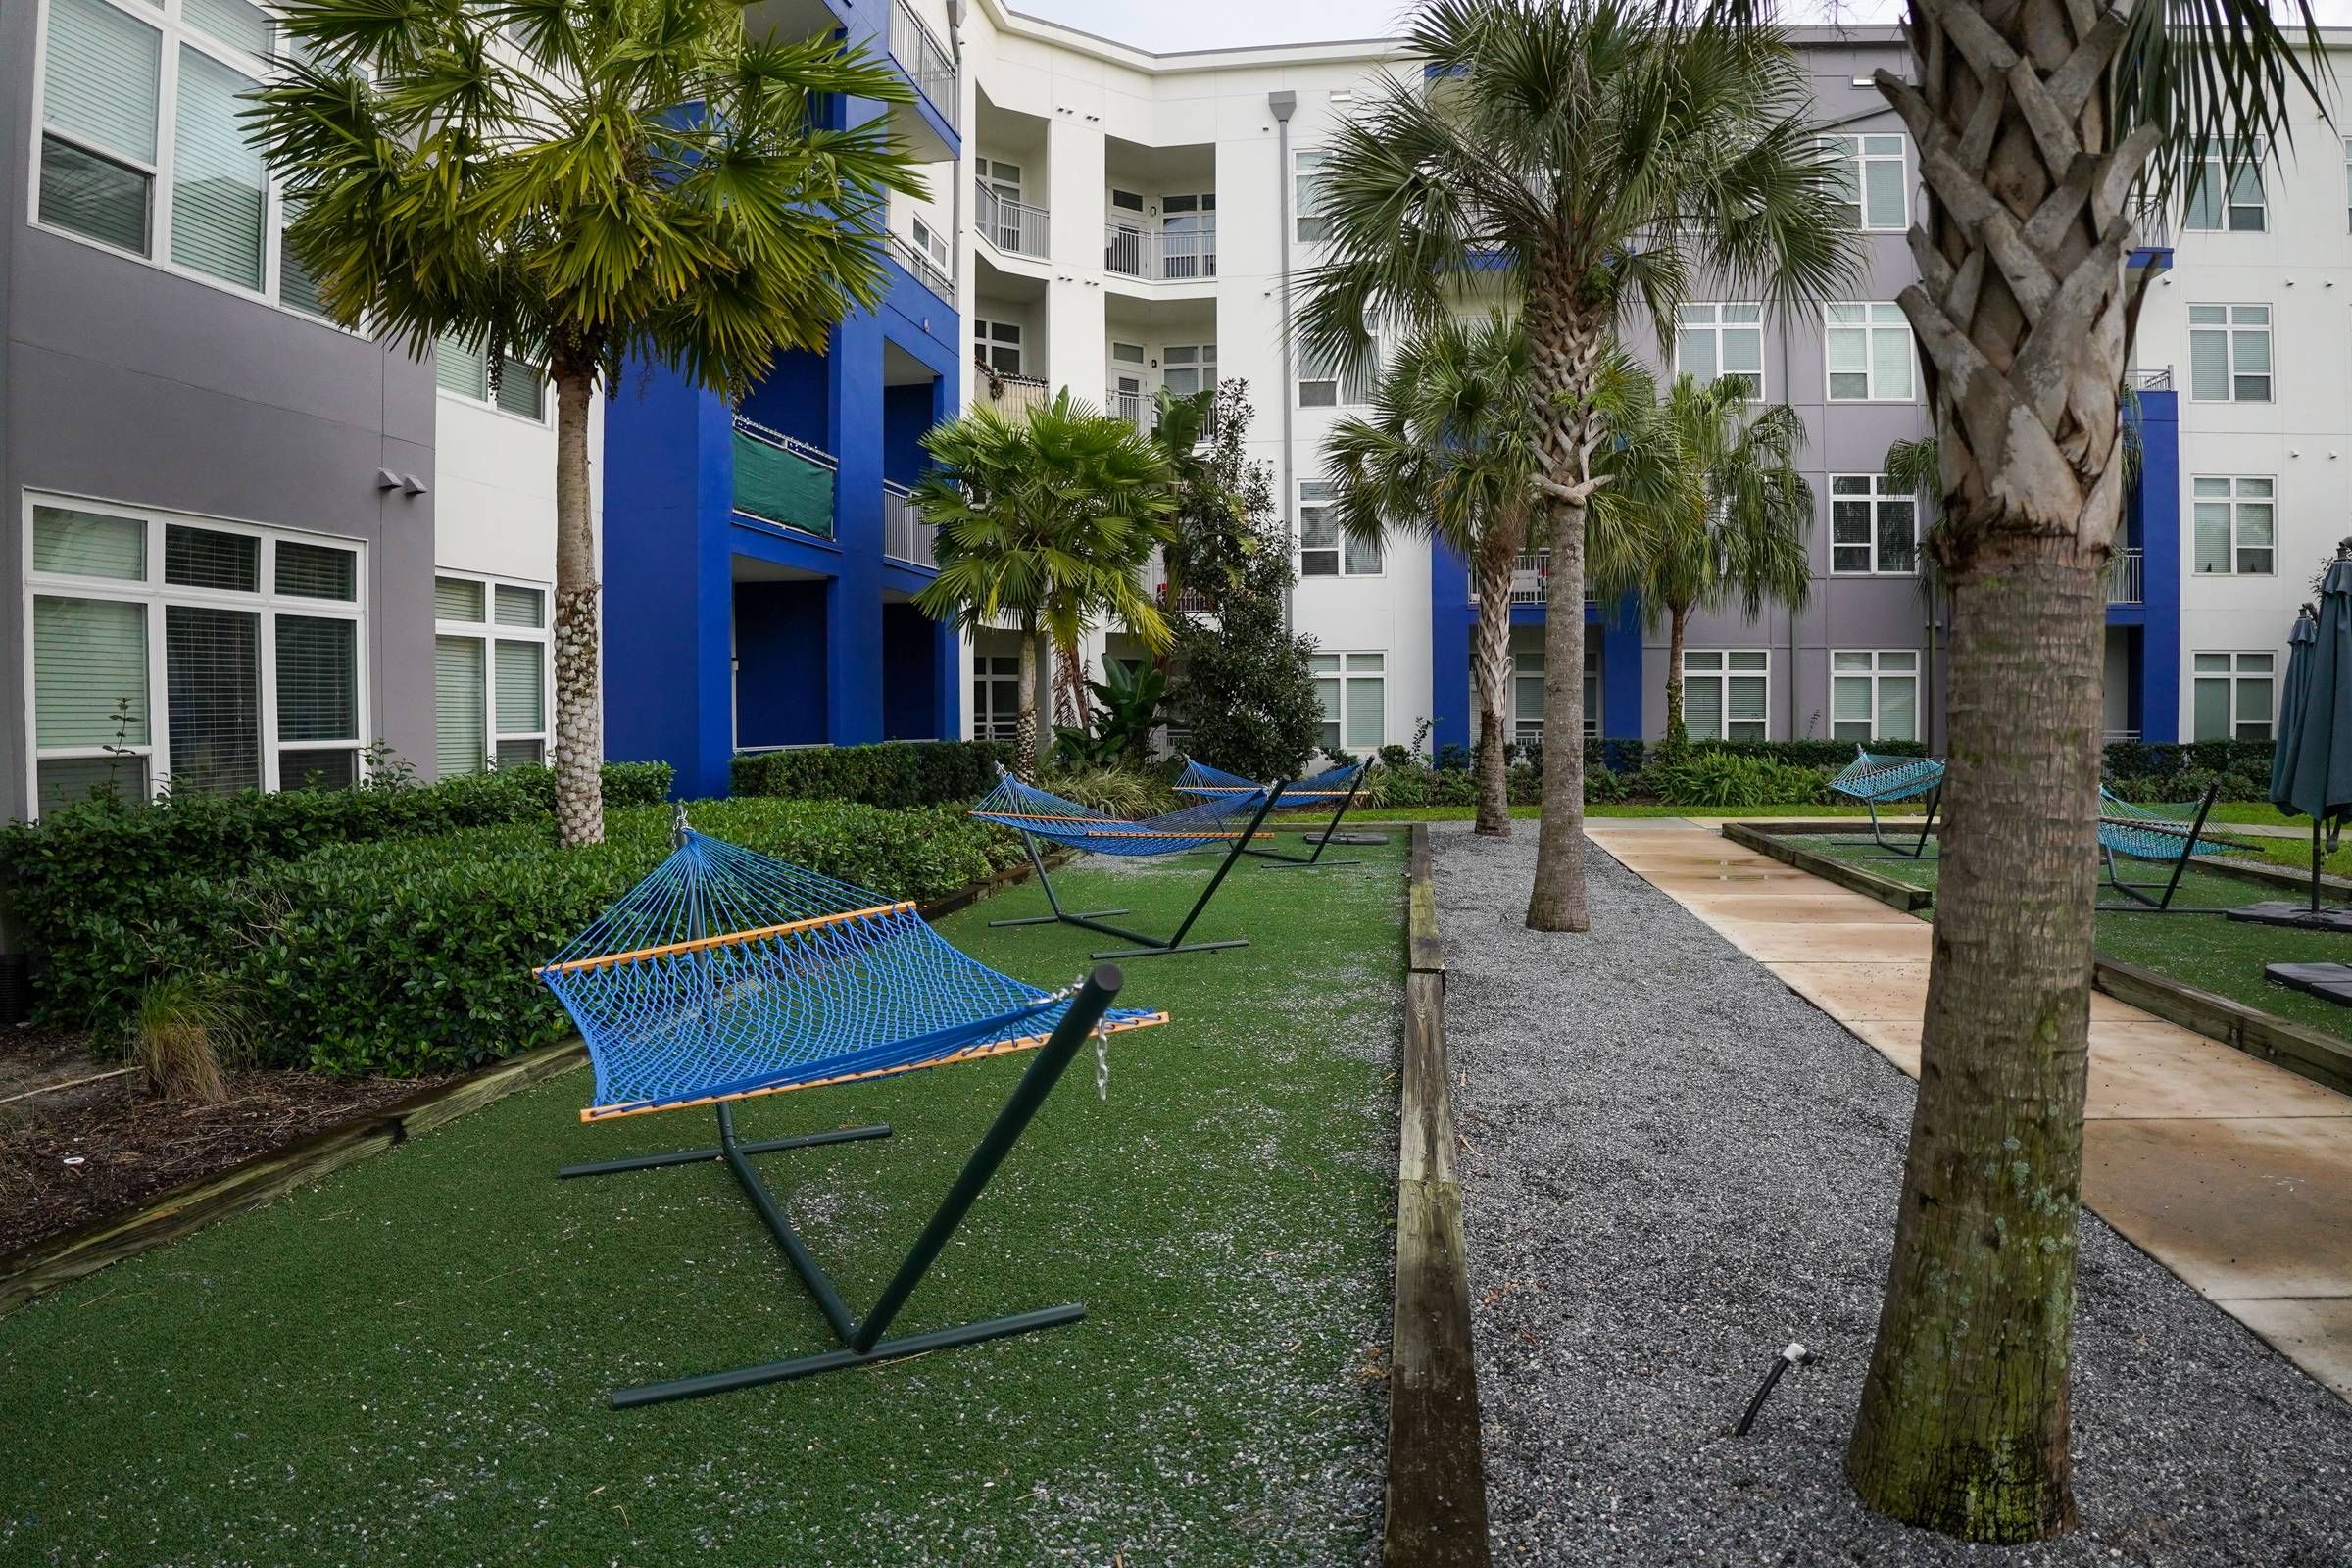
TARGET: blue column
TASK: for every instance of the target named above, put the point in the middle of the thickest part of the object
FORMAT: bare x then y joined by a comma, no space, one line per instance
1450,618
854,633
2154,521
1621,669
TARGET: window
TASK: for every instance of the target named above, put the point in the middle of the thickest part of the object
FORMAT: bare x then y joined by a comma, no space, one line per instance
1873,528
996,695
521,385
1353,691
2348,179
2229,353
932,244
1526,693
998,179
1871,189
2233,521
1713,340
1870,353
998,345
1306,197
213,655
1188,236
142,145
1874,696
2224,190
1324,549
2233,697
490,675
1189,368
1323,385
1726,692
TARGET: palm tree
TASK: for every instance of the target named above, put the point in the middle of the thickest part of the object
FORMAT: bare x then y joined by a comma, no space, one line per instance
1725,521
1049,519
1594,156
1450,451
569,211
2035,121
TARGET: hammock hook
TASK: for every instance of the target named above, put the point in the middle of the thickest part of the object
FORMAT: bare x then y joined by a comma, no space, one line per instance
679,826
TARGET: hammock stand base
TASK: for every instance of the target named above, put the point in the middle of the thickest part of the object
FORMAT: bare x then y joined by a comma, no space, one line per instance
2156,898
1146,947
862,1341
1895,852
1279,862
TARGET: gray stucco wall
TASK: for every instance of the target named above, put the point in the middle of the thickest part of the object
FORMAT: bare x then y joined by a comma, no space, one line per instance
130,383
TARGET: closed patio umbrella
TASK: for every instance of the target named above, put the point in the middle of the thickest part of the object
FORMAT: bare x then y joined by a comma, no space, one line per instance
2310,770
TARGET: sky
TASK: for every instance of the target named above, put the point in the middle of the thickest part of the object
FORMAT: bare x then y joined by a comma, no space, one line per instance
1162,26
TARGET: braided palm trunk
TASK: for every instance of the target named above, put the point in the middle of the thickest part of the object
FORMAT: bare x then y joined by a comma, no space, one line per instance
579,715
2024,317
1490,676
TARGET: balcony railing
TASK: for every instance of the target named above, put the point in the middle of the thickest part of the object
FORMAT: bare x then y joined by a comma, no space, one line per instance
905,536
1008,394
923,58
2122,577
2151,224
782,481
1161,254
1531,580
1139,409
1190,602
927,272
1014,227
2149,378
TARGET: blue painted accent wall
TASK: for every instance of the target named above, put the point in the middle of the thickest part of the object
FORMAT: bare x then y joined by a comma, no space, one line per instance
909,677
780,650
2153,518
1621,670
1451,619
905,420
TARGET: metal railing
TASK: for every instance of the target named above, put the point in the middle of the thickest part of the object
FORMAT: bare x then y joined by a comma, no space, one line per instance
1012,227
1531,580
782,480
1139,409
2149,378
927,272
905,536
1160,255
2114,735
2151,224
923,58
2123,576
1011,394
1191,602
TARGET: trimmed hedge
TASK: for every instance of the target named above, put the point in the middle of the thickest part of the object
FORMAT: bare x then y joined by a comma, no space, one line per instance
414,954
892,773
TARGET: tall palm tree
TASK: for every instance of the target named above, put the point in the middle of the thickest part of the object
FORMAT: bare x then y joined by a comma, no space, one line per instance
569,211
2035,123
1048,518
1594,156
1449,451
1724,522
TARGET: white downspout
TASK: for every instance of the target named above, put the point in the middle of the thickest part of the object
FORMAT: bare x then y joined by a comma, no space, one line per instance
1283,104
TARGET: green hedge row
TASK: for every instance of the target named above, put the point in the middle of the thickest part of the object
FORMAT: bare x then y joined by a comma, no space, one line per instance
894,773
414,954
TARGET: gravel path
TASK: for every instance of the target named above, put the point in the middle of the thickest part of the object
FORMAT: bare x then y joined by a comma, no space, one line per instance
1673,1167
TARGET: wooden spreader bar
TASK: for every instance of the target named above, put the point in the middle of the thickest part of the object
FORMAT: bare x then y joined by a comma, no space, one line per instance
730,939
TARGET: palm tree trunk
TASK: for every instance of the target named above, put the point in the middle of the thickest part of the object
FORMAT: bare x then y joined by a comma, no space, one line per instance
1024,724
1490,684
1678,627
579,715
2024,320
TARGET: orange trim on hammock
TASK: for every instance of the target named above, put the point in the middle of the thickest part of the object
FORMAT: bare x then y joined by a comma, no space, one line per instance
994,1047
699,943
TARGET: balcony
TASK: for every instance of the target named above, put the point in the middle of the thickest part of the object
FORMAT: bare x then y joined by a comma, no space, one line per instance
2151,378
1009,395
782,482
924,59
2122,577
1190,602
1014,227
1531,580
906,535
924,270
1139,409
1161,254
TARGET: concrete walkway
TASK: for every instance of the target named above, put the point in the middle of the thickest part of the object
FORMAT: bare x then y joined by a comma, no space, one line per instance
2234,1174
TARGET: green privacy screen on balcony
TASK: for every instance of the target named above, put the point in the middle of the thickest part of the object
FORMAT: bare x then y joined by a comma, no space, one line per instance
776,486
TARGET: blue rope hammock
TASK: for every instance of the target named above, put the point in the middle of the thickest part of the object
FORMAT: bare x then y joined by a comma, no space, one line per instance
2164,835
1337,787
1875,780
1015,805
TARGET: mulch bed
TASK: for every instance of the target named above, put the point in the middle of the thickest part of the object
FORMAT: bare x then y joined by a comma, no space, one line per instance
80,1155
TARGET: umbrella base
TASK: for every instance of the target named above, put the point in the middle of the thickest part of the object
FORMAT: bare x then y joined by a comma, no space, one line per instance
2295,913
1345,837
2331,982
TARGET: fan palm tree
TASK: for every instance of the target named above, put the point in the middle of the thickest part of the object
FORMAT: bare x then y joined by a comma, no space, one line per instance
1049,519
1449,451
1594,156
1723,521
2035,123
567,210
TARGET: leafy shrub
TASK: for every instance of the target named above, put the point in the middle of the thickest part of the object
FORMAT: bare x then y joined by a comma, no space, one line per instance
892,773
2126,759
2188,784
1728,780
1116,790
1601,787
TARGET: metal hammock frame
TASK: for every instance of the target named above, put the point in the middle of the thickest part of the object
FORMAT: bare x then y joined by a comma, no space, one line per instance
1037,813
1872,778
758,976
2140,833
1214,783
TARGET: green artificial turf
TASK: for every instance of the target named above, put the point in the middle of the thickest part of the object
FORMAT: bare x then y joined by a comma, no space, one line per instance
407,1363
2221,956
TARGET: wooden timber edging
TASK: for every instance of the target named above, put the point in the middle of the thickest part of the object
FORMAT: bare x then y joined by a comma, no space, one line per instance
1767,839
182,1210
1436,1483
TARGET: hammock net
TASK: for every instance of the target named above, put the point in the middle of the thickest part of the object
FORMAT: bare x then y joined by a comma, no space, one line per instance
1874,779
1214,783
726,973
1015,803
2153,832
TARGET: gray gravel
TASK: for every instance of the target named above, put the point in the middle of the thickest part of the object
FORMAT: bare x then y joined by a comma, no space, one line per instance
1674,1166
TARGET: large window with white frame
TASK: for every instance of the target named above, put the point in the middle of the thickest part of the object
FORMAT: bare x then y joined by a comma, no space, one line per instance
1874,527
998,345
1873,695
1353,689
207,656
1717,340
2224,190
1306,196
490,674
520,387
2229,353
1869,358
140,144
2236,517
2232,695
1525,713
1871,183
995,696
1727,692
1189,369
1324,384
1325,548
